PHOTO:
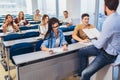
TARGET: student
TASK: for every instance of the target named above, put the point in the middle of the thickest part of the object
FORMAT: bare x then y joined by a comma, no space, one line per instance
66,21
20,20
54,37
44,24
9,25
106,47
37,16
78,34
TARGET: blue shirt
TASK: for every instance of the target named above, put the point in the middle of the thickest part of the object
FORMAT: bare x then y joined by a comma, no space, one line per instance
109,38
50,42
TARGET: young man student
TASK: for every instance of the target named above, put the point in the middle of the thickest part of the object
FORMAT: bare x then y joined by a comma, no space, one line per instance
66,21
78,34
106,47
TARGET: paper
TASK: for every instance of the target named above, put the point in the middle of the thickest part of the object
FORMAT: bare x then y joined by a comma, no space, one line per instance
92,33
87,44
57,50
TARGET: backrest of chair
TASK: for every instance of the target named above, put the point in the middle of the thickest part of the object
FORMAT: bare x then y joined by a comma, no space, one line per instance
64,29
71,28
24,28
38,44
31,34
34,27
12,36
68,38
33,22
20,48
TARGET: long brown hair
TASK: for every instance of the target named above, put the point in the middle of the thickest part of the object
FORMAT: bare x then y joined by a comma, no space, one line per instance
23,18
43,18
12,23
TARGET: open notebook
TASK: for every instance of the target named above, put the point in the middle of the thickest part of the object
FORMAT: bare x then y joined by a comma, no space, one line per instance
92,33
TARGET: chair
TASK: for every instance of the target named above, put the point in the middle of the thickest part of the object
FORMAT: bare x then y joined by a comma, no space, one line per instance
31,34
38,45
12,36
33,22
64,29
24,28
68,38
71,28
34,27
20,48
1,31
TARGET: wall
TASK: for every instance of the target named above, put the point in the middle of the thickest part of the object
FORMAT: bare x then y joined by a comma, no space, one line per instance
73,7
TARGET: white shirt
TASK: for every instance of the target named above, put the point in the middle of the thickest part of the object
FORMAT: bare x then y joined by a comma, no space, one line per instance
22,22
109,38
43,29
57,42
66,20
10,29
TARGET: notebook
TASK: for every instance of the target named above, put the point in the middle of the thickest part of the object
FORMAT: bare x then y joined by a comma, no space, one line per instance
92,33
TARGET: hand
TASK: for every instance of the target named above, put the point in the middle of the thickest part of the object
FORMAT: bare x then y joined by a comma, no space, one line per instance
51,52
67,24
6,22
85,40
65,48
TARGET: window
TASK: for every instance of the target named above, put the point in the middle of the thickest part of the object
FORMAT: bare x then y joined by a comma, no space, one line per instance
12,6
62,7
101,15
47,7
88,7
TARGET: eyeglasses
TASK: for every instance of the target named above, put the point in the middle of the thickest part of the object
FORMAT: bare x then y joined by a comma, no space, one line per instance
55,26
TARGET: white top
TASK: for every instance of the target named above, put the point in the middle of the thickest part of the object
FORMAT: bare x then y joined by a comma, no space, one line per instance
38,18
57,42
22,22
43,29
10,29
67,20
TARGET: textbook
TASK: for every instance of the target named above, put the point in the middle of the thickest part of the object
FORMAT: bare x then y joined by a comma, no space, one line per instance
92,33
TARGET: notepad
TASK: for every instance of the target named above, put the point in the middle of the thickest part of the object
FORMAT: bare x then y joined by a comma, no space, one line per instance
92,33
57,50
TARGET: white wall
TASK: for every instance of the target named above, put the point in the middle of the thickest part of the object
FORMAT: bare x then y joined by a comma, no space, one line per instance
34,5
29,6
73,7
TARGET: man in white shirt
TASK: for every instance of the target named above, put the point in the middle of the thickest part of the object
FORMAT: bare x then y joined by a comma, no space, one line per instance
66,21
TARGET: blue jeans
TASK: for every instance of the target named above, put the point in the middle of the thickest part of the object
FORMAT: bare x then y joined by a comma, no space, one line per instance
74,41
102,59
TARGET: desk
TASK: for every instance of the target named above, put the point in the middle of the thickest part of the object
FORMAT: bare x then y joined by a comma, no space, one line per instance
68,33
12,42
8,44
21,32
44,66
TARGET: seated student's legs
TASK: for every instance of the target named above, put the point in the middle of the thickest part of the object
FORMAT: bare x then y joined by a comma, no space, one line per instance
73,41
102,59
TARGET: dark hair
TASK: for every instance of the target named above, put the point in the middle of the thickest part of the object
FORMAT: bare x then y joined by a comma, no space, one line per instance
51,22
66,12
7,18
112,4
85,14
44,16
